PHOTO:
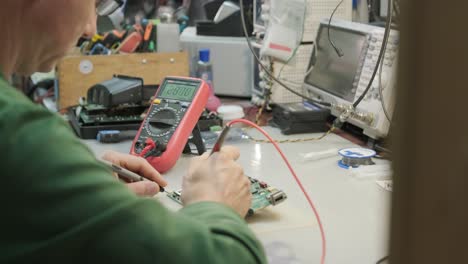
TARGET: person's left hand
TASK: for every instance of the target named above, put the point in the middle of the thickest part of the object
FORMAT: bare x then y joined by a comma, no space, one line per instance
140,166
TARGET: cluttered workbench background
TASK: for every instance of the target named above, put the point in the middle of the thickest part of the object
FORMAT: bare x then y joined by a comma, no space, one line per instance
297,88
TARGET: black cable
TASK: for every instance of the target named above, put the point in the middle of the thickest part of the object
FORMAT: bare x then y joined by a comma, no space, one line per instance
381,54
46,84
380,148
396,12
341,119
373,8
382,99
244,26
358,101
380,261
338,51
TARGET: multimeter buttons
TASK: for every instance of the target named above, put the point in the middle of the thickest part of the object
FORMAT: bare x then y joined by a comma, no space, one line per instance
162,121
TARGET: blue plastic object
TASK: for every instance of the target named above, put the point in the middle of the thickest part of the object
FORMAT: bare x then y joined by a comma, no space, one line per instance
99,49
101,136
356,154
204,55
183,23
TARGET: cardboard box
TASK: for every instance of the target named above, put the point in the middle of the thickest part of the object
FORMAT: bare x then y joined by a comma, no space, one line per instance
76,74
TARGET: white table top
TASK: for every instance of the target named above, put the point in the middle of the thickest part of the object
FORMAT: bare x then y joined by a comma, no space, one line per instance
355,212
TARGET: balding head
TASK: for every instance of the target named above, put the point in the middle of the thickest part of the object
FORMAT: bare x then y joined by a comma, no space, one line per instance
40,32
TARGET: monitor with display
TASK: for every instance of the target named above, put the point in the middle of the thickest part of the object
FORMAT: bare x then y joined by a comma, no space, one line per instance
342,80
332,73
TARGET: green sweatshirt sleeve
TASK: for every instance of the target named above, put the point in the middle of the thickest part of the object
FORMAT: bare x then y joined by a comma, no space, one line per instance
61,206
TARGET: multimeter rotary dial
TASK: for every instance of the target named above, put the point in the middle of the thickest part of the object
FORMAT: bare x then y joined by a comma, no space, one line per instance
161,122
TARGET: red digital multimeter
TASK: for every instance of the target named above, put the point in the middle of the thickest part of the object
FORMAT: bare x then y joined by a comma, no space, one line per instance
171,118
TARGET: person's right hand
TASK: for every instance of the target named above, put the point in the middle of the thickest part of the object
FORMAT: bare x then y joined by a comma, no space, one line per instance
218,178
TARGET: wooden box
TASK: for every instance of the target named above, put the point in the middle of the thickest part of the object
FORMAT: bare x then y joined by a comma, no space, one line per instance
76,74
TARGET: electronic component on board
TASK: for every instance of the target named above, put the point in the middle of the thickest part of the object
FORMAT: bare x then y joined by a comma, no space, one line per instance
263,196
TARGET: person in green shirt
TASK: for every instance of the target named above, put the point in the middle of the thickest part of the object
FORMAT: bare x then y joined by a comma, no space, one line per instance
60,205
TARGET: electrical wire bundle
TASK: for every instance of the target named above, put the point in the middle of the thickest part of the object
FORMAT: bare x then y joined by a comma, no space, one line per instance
268,72
339,121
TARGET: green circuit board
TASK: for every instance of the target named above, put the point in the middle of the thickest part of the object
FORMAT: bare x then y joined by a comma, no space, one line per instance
98,114
263,196
103,119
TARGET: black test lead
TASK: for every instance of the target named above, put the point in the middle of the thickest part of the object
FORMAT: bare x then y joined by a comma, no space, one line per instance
219,142
128,175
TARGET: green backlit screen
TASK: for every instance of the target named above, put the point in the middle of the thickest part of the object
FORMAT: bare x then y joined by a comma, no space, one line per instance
178,91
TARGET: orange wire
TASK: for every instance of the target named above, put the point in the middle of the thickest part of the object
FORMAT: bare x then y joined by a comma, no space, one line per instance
309,200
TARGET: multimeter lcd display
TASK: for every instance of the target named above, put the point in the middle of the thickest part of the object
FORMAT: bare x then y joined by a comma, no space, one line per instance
178,91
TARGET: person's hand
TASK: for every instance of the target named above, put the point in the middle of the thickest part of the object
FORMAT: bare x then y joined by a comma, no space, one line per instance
218,178
140,166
